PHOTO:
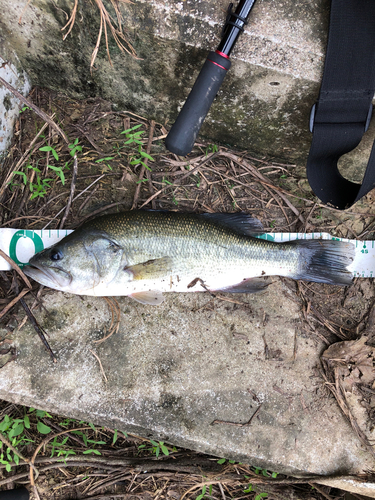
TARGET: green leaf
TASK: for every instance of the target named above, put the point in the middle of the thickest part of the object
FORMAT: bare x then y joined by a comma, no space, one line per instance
130,129
249,488
22,174
104,159
274,474
96,452
164,449
43,428
260,496
114,437
16,458
17,430
8,467
26,421
221,461
46,148
146,155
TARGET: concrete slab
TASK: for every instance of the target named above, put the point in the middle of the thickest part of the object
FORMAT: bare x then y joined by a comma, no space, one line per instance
175,369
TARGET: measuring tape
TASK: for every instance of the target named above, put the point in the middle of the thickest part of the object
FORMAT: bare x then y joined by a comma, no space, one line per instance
22,244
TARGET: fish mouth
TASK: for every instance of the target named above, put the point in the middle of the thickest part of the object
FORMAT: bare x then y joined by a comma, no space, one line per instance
53,277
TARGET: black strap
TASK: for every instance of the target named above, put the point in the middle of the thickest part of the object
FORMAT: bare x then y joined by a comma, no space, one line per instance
343,111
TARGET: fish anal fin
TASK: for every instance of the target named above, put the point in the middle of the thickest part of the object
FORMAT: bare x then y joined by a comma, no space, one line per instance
150,297
151,269
251,285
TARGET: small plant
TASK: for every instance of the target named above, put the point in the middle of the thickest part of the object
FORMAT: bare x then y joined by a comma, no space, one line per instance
204,489
60,450
40,186
133,138
22,110
105,161
264,472
259,496
74,148
211,148
13,429
156,448
223,460
52,150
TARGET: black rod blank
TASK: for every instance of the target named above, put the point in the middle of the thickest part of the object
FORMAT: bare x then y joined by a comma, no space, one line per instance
184,131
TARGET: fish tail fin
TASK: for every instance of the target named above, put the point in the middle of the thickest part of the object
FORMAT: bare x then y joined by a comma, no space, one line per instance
325,261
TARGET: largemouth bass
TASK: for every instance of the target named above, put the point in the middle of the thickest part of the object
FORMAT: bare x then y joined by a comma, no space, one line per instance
145,253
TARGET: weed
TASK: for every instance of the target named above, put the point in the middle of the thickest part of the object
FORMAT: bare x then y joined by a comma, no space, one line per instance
24,109
13,429
223,460
52,150
272,224
60,450
74,148
211,148
105,160
133,139
39,187
259,496
204,489
156,448
264,472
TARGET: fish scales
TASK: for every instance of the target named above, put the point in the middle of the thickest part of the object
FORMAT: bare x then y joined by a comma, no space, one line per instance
143,253
198,247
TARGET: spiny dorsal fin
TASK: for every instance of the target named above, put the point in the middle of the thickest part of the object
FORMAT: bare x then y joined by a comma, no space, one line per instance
239,222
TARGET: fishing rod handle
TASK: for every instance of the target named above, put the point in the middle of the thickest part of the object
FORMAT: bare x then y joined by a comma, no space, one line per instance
184,131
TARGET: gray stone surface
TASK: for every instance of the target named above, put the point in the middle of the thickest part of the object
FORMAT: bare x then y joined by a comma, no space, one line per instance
264,103
173,370
11,71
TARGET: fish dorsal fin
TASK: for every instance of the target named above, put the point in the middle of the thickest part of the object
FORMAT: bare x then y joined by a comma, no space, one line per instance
239,222
151,269
151,297
251,285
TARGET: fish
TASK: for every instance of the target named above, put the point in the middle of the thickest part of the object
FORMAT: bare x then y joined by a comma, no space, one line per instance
143,254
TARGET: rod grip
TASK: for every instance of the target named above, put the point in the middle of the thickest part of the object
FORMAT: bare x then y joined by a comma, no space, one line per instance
184,131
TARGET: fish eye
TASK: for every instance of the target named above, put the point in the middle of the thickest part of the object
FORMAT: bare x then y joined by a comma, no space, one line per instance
56,254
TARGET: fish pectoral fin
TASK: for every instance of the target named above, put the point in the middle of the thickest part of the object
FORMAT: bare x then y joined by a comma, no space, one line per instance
251,285
151,297
151,269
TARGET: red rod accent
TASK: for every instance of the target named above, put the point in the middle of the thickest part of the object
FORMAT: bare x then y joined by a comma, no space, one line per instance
220,66
221,54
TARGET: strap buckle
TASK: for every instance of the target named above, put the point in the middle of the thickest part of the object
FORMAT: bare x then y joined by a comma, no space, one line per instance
313,111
